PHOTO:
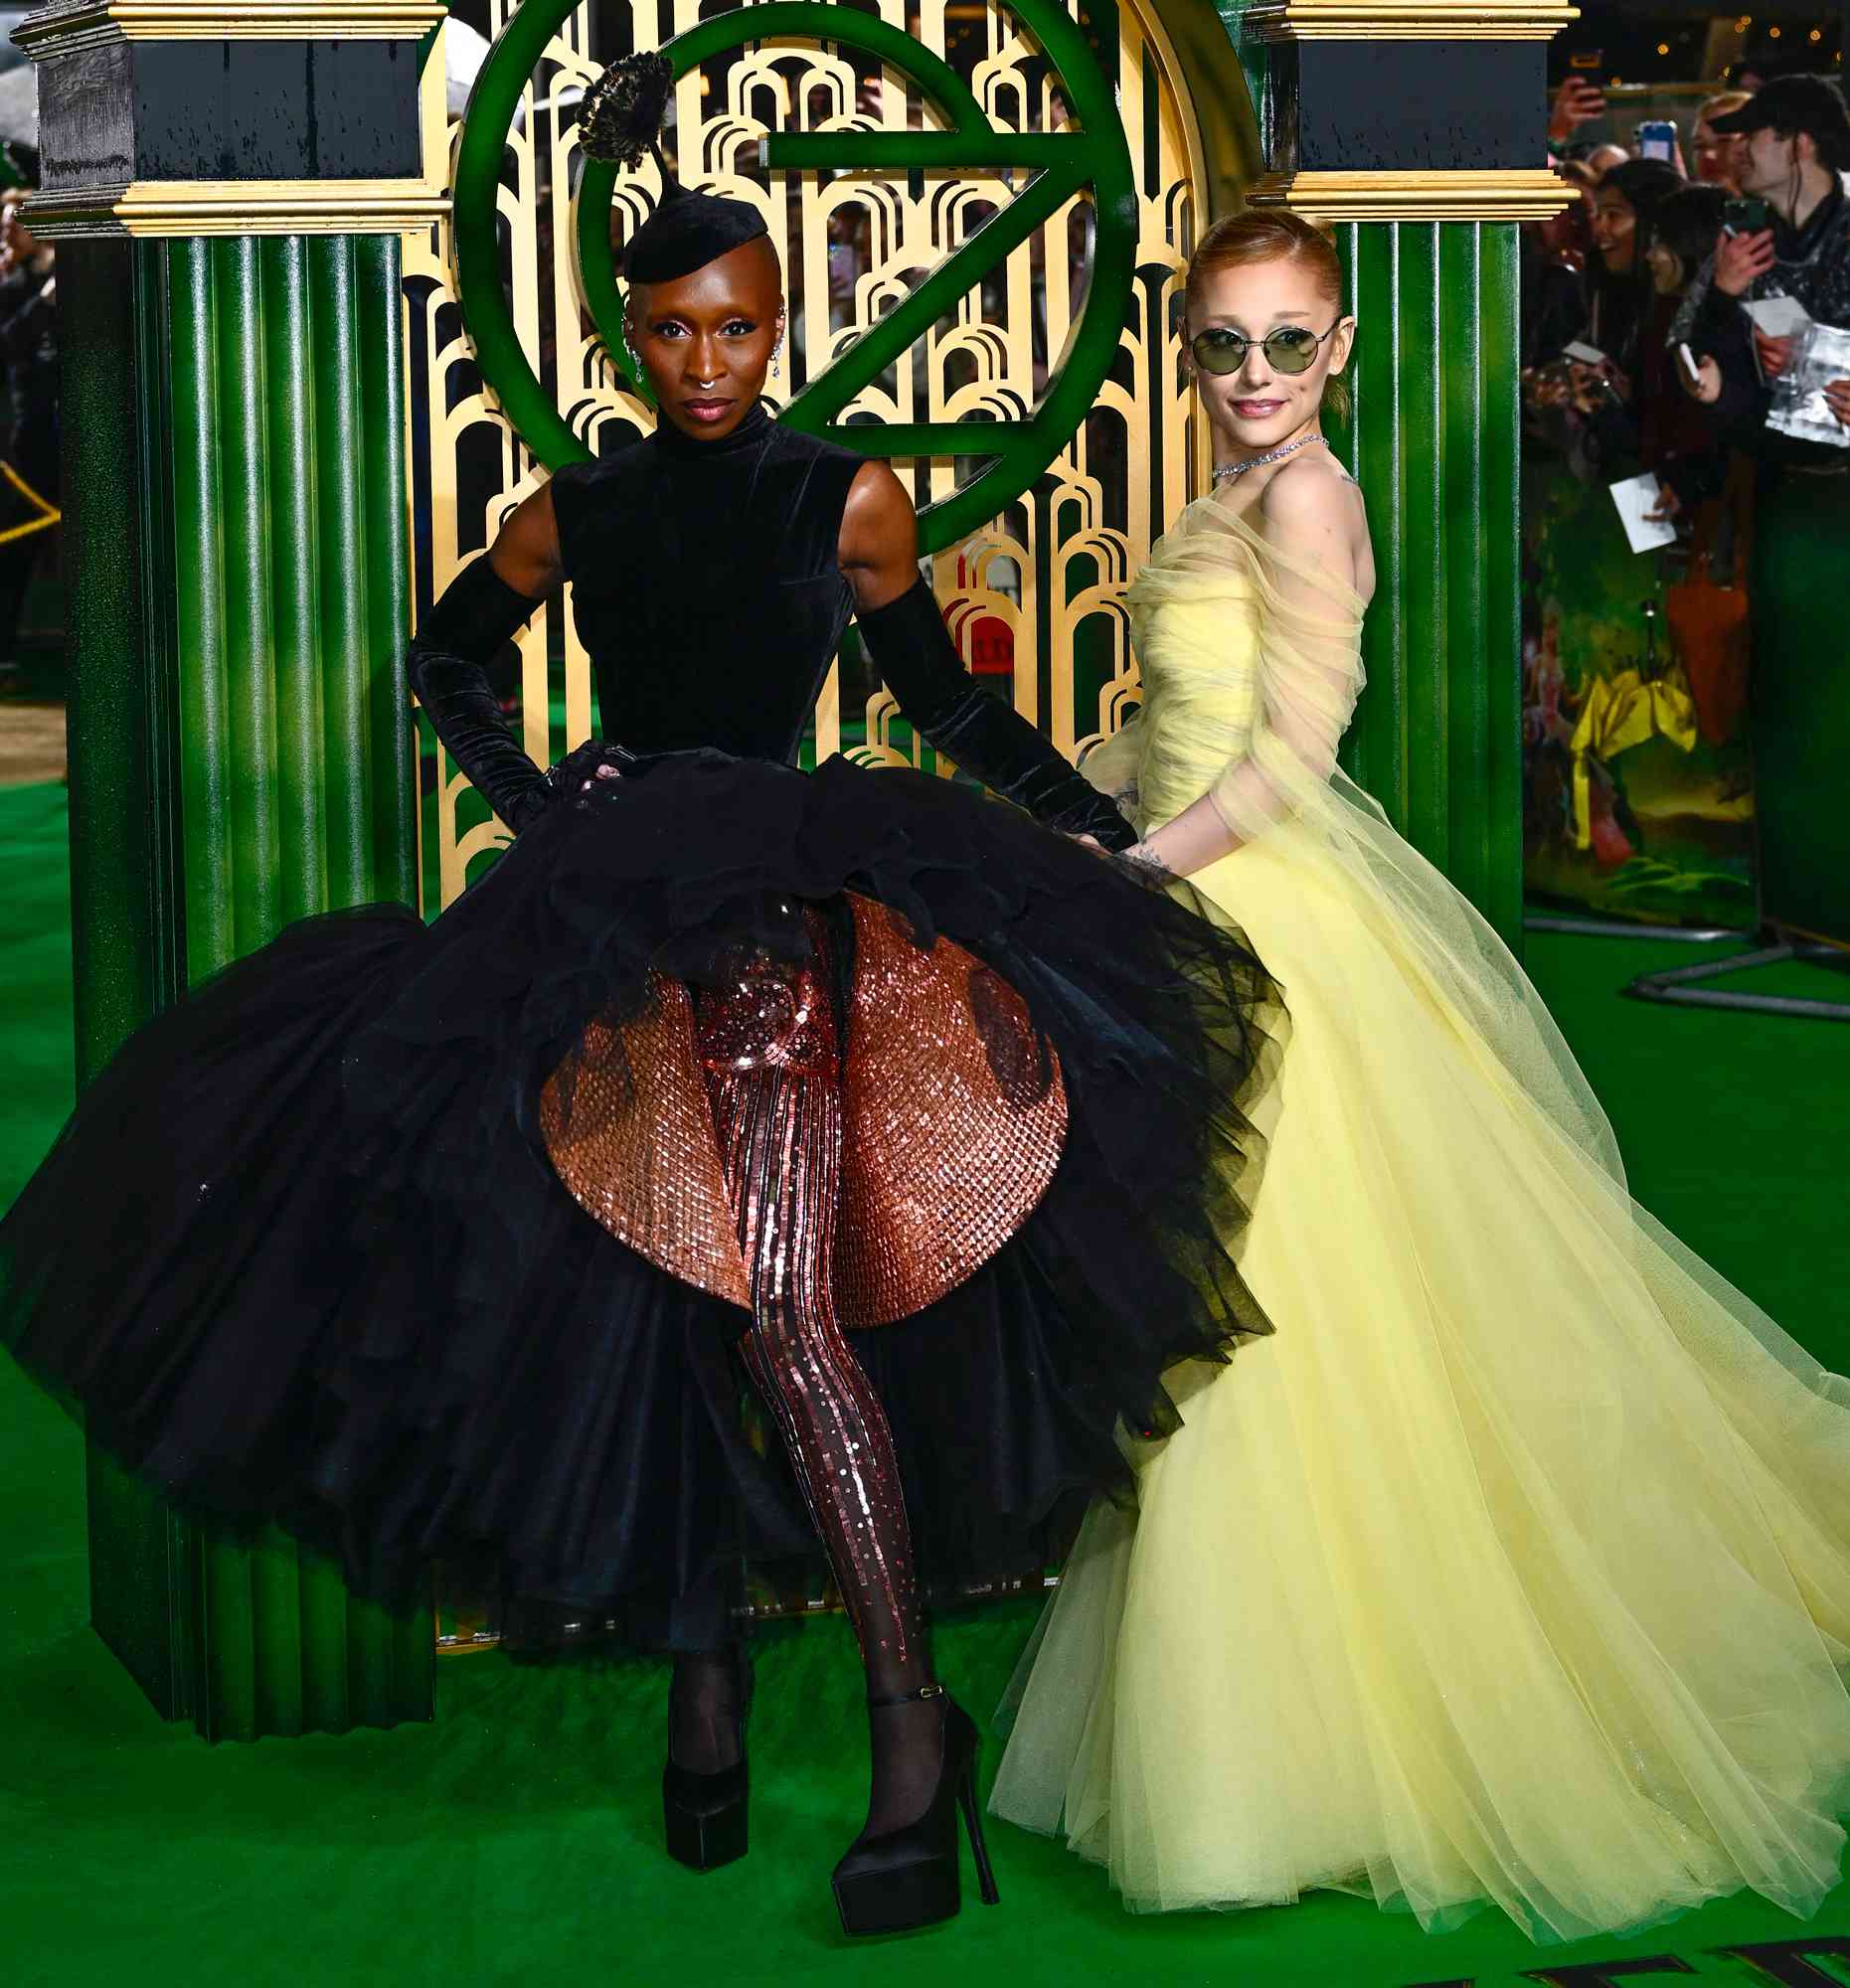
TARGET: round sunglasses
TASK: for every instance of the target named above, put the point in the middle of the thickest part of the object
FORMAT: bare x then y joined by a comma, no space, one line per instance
1292,347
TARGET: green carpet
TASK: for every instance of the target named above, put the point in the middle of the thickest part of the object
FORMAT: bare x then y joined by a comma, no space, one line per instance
516,1840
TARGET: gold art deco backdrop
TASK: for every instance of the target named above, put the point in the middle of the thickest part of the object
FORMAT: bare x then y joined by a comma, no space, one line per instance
1035,597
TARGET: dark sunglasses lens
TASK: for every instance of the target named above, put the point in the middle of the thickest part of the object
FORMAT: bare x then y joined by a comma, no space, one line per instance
1219,351
1292,349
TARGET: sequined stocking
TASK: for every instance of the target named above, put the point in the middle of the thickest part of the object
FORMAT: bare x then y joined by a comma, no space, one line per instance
774,1075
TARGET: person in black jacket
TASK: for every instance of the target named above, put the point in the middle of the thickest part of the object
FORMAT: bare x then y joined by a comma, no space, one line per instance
1795,146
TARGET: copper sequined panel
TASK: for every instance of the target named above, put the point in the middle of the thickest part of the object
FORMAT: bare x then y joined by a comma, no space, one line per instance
629,1130
955,1120
954,1117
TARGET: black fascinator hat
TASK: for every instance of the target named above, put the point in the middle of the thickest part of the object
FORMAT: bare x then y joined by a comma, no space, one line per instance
619,119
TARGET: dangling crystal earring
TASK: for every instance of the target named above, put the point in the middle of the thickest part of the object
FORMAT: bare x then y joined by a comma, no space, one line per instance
777,351
639,380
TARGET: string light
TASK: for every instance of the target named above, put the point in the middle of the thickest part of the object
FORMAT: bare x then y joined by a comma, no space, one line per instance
1772,33
1663,47
1816,35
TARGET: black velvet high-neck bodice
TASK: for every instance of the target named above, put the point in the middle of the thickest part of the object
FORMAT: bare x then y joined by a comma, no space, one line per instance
706,584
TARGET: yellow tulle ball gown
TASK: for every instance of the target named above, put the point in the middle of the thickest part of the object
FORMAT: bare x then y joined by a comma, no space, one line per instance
1515,1565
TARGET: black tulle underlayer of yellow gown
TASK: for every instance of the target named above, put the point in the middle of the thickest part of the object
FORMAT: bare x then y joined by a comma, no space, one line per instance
305,1251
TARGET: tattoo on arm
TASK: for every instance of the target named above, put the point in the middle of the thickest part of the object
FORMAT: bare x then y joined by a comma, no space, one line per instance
1147,867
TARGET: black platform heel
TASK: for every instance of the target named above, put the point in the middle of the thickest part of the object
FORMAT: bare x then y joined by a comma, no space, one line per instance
906,1878
705,1816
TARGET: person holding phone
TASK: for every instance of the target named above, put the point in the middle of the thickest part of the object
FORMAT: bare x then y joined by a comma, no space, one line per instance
1578,101
1674,436
1605,362
1795,144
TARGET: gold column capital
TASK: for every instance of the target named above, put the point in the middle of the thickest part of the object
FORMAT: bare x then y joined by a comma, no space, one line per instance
1405,20
238,207
57,31
1508,194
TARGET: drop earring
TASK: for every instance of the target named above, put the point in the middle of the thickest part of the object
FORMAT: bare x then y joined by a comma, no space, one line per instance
777,351
639,380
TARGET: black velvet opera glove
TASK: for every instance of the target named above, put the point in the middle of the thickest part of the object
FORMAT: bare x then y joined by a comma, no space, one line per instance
447,666
920,666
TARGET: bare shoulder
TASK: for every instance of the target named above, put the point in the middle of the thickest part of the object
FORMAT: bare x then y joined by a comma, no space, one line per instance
878,506
1314,507
525,550
879,545
1311,488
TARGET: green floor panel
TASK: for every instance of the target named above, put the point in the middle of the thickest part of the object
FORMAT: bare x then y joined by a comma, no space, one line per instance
516,1840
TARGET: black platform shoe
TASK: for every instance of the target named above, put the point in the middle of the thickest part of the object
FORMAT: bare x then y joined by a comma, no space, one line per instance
906,1878
704,1816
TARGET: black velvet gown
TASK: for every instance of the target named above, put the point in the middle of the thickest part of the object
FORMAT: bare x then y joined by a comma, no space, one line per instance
406,1235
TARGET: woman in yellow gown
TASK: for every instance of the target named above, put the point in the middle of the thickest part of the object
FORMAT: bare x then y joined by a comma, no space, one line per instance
1515,1565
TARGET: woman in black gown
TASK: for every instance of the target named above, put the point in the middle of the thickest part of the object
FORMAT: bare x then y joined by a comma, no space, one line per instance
467,1237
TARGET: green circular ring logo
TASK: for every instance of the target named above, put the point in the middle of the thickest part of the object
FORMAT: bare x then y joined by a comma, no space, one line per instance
1059,164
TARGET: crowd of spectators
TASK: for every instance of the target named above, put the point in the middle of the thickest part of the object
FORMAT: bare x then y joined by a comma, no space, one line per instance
1638,350
1678,320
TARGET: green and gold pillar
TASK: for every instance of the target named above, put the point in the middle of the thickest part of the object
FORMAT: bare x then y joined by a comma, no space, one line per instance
1418,130
228,185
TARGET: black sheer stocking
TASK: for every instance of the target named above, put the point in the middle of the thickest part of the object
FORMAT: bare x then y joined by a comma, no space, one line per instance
775,1079
706,1706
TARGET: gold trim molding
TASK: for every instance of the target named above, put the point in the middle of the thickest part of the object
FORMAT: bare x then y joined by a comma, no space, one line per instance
1407,20
238,206
1514,194
61,31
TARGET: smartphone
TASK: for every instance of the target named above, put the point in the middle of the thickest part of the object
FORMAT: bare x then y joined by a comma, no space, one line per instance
1692,372
1745,216
1658,139
1587,355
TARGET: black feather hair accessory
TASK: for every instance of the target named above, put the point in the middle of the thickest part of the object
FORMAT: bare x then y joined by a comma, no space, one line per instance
620,117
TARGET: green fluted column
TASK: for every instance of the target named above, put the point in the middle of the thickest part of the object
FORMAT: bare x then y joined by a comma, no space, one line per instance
241,755
123,857
227,194
1434,442
290,581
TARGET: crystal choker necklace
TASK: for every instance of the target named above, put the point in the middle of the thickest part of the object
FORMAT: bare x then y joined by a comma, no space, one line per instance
1227,469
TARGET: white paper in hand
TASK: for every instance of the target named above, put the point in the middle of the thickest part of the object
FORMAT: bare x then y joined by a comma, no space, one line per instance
1635,496
1777,317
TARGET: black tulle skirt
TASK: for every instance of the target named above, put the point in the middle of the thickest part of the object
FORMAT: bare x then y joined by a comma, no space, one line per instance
301,1254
